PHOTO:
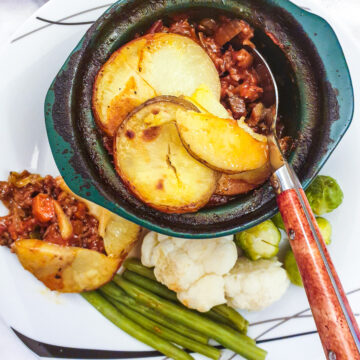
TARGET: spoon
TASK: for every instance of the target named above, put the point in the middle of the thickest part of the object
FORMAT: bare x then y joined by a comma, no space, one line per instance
335,322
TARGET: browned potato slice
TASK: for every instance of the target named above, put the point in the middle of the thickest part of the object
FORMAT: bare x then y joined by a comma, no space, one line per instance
243,182
176,65
220,143
154,164
119,235
117,91
118,88
204,98
155,64
256,177
134,93
65,269
230,187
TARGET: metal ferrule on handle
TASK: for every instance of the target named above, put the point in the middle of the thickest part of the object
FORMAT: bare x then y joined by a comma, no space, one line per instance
334,319
284,178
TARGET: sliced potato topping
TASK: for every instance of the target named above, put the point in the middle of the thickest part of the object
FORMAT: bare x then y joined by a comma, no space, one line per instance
155,64
65,269
117,94
134,93
176,65
204,98
231,187
243,125
220,143
256,176
154,164
243,182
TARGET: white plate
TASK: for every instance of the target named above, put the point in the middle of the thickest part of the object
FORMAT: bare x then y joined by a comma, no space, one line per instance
27,67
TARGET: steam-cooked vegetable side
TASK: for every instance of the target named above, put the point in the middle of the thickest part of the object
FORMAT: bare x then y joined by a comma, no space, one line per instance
292,268
208,273
324,195
259,242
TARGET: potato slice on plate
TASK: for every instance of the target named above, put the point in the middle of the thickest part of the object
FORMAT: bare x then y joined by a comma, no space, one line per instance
119,235
155,64
153,163
243,182
65,269
220,143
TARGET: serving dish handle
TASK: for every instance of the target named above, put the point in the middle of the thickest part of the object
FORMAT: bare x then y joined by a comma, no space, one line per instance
336,324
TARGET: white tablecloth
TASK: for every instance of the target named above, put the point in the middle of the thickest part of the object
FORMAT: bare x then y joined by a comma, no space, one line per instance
13,12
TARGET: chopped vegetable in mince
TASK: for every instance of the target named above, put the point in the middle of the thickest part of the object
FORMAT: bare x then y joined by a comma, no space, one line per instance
40,209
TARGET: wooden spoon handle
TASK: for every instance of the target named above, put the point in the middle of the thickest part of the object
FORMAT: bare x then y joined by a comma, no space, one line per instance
336,324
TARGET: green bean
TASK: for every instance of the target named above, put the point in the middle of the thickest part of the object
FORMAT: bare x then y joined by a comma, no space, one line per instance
118,294
113,291
236,342
151,285
132,328
233,316
167,333
136,275
137,267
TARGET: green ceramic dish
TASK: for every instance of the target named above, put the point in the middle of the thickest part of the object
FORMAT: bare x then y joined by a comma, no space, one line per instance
316,103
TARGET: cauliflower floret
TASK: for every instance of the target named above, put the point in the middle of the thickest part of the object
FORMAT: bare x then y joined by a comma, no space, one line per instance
147,249
206,273
192,268
174,267
217,256
254,285
205,293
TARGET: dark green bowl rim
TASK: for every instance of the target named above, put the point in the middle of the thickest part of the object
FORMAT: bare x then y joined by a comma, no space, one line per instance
309,22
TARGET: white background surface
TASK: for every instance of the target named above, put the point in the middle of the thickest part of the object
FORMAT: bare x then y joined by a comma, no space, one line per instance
12,13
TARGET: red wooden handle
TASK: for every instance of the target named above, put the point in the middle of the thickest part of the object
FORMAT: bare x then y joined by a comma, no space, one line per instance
326,296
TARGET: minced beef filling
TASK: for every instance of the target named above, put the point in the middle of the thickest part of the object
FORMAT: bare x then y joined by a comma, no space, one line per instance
29,199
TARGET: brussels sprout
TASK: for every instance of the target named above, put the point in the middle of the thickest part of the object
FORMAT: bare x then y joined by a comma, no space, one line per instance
324,194
325,229
259,242
278,221
324,226
292,269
